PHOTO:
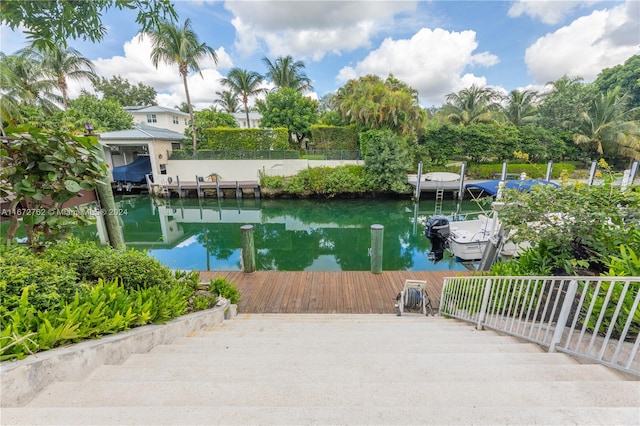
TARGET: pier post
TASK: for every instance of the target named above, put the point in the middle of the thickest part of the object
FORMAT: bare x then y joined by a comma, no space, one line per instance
418,190
248,250
592,172
377,234
547,176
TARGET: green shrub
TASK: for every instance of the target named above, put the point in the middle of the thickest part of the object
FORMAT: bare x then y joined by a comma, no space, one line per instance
334,137
76,254
247,139
275,182
134,268
224,288
96,310
48,282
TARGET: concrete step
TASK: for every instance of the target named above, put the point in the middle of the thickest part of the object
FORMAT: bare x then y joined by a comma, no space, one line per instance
340,369
292,393
241,345
276,415
427,374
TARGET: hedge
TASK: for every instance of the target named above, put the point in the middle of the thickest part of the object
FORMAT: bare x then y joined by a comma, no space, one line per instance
224,138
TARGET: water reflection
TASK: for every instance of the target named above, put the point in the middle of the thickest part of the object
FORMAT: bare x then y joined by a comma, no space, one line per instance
289,235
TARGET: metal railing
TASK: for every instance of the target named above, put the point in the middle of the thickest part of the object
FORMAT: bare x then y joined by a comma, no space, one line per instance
595,318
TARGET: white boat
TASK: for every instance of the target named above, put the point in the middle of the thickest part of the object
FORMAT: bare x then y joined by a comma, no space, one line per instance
468,238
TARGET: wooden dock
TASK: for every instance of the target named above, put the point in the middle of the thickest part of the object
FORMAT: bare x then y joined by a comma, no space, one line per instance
344,292
201,185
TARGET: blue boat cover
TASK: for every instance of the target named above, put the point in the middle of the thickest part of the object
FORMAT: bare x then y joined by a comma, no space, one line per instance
133,172
491,186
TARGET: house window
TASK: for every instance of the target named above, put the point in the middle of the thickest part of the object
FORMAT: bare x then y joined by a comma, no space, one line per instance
176,120
176,145
151,118
186,122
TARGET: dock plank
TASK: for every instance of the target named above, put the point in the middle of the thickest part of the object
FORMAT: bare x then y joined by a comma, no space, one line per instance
327,291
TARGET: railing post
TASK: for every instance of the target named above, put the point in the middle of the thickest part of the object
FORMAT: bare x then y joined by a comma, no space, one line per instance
485,303
248,250
564,314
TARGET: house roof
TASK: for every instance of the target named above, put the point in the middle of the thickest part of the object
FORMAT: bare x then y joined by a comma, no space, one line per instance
142,132
153,109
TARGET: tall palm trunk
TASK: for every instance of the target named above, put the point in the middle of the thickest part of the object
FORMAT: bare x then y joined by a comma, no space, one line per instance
193,122
245,100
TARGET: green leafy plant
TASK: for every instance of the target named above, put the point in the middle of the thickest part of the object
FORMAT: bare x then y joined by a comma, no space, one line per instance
225,289
134,268
41,170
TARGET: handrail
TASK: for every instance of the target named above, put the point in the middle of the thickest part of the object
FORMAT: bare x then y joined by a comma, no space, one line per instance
594,318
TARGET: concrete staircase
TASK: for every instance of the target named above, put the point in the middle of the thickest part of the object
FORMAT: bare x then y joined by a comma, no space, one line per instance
340,369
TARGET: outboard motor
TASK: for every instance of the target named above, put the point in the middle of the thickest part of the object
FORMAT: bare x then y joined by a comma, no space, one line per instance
437,231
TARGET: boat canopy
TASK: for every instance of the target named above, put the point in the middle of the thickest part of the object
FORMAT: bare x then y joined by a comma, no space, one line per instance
491,186
133,172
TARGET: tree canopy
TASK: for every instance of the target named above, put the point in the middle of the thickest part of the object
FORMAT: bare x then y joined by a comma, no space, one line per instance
51,23
291,109
371,103
125,93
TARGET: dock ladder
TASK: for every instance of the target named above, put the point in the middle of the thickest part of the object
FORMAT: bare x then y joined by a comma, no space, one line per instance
439,196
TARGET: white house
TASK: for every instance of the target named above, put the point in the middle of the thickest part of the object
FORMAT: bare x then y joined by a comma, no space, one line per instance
157,116
241,119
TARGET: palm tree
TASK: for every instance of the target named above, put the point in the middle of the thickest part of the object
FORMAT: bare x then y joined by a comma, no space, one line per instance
228,100
175,45
520,107
608,128
62,64
23,83
285,72
246,84
471,105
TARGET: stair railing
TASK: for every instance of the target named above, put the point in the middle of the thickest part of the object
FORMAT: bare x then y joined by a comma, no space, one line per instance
594,318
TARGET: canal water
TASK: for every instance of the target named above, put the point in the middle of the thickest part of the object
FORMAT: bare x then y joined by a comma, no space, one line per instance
289,235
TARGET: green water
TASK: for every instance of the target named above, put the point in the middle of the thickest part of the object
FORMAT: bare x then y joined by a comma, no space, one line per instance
289,235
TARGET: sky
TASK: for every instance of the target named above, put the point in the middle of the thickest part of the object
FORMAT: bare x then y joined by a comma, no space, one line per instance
437,47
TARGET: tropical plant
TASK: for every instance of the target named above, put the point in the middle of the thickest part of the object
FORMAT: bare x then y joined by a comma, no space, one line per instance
371,103
61,65
284,72
179,45
245,84
520,108
472,105
576,227
562,105
23,83
607,127
227,100
41,171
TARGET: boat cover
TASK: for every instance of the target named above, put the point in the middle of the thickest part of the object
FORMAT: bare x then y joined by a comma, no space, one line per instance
133,172
491,186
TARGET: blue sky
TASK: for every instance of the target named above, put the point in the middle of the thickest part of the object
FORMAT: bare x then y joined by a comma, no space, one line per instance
437,47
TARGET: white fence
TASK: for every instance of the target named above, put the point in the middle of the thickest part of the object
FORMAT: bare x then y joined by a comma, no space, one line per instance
595,318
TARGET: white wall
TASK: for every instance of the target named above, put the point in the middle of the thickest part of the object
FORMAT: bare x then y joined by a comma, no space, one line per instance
245,169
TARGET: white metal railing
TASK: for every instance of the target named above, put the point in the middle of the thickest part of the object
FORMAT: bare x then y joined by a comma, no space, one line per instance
595,318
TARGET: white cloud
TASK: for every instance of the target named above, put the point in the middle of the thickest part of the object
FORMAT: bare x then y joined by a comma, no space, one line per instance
432,62
550,12
583,48
136,67
310,29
